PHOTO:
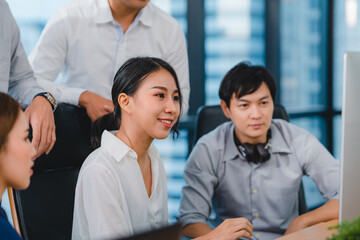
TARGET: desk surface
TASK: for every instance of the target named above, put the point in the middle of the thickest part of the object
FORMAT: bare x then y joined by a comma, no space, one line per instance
318,232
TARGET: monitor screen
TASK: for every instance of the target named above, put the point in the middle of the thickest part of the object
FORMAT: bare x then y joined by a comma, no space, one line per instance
350,148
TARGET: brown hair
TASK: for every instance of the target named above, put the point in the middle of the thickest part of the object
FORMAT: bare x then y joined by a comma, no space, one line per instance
9,111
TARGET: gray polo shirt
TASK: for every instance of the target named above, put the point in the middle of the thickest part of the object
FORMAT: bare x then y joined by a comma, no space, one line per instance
16,75
218,178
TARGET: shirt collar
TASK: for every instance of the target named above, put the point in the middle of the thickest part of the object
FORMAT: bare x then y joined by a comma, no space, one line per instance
230,149
119,150
145,15
278,144
104,14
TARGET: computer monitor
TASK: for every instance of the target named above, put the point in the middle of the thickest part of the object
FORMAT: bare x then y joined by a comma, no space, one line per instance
350,148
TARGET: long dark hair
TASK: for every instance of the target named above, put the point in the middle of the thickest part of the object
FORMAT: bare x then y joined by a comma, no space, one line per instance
127,80
9,111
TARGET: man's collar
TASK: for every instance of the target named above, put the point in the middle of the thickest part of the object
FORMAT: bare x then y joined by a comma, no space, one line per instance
145,15
278,144
230,149
104,14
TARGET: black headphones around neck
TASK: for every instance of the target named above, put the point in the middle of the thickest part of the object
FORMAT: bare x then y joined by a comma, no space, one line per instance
255,153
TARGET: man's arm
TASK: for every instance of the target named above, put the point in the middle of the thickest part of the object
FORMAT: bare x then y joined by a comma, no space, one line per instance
47,60
196,230
327,212
195,205
321,167
178,59
16,72
23,87
49,56
231,229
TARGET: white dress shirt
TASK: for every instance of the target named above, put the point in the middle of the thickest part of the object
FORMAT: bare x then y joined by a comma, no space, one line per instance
84,41
111,200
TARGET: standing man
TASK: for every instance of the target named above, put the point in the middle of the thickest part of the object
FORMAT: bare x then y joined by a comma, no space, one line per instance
89,41
17,79
252,166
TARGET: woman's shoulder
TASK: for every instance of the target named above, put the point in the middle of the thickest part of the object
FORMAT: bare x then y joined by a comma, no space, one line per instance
6,230
99,160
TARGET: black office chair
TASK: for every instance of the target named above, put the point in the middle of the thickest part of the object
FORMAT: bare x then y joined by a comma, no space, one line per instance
209,117
45,209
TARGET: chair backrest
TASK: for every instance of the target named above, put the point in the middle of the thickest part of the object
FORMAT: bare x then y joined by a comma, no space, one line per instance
45,209
209,117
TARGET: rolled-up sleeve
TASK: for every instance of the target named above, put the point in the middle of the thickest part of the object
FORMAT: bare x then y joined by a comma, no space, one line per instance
319,165
49,56
200,178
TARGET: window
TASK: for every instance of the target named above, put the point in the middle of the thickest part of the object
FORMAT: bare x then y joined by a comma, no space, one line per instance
302,41
234,32
303,82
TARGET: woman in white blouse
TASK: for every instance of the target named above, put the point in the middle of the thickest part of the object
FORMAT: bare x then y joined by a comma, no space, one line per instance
121,189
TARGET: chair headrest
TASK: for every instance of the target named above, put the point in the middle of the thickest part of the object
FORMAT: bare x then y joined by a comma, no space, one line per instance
72,146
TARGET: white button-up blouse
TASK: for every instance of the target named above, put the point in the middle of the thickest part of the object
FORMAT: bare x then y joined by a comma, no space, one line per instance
111,200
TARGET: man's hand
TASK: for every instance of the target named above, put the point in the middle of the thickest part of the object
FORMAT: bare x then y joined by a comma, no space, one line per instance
230,229
41,118
96,106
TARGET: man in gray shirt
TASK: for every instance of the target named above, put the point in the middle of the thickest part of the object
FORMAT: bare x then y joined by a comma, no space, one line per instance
17,79
251,168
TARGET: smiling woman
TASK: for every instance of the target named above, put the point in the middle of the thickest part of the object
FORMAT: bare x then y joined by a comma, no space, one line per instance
16,155
121,189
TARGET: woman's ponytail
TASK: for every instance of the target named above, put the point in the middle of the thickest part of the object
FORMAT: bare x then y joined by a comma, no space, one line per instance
110,121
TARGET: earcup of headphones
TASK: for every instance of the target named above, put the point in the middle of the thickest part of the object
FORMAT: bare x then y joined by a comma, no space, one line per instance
263,152
248,152
255,153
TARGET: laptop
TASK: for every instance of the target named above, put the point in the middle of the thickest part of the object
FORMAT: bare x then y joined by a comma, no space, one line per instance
350,148
171,232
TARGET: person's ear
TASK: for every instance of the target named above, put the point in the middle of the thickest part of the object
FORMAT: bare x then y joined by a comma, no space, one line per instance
124,102
225,109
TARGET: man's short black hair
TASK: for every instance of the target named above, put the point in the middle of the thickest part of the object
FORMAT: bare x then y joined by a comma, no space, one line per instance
245,79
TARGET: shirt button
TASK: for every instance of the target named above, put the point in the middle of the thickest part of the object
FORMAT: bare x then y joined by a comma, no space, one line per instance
256,214
254,191
257,235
